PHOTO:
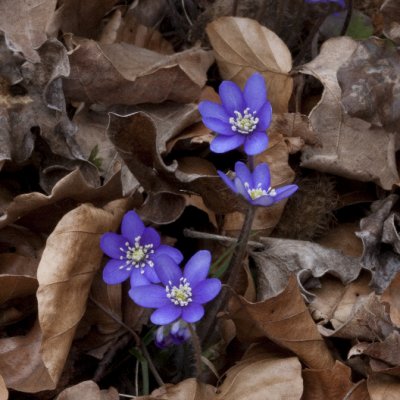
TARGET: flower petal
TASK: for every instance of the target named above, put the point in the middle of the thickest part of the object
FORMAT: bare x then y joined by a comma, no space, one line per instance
174,253
209,109
139,279
223,143
256,143
255,93
167,269
150,236
218,126
264,201
151,275
227,181
149,296
112,274
111,243
166,314
132,226
206,290
196,269
284,191
264,115
231,96
243,173
192,312
242,190
262,175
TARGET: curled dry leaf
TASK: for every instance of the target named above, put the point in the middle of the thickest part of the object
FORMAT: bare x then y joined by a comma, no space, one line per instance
128,71
328,384
88,390
392,296
391,20
243,46
358,392
3,389
350,147
263,375
383,387
24,24
70,260
284,257
285,320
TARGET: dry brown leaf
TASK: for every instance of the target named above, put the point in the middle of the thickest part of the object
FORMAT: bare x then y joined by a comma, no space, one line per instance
128,29
391,20
243,46
69,262
383,387
392,296
328,384
88,390
3,389
285,320
284,257
358,392
262,375
350,147
128,71
24,24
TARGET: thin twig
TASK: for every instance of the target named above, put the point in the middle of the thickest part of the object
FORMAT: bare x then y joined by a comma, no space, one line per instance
348,17
220,238
138,341
186,14
196,349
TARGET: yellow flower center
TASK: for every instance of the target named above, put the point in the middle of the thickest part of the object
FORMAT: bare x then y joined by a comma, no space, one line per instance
244,123
137,256
179,295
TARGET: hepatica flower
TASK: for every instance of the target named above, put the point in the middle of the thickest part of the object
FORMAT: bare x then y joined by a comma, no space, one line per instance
181,295
133,252
341,3
256,187
174,334
241,119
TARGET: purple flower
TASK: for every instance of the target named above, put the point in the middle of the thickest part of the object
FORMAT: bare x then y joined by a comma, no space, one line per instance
133,252
255,187
181,295
241,119
341,3
174,334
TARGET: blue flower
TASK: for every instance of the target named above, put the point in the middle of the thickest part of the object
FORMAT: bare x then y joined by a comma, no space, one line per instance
255,187
341,3
174,334
182,295
133,252
241,119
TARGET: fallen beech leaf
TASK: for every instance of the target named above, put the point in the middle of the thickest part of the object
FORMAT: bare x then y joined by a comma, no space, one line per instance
243,46
285,320
128,71
383,387
29,208
128,29
261,375
3,389
328,384
189,389
392,296
87,390
391,20
284,257
350,147
24,24
70,259
358,392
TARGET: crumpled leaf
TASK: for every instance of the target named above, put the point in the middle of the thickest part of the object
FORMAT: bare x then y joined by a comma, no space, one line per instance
350,147
24,24
370,83
285,320
392,296
88,390
358,392
391,20
261,373
383,387
69,262
283,257
329,384
128,71
3,389
243,46
376,228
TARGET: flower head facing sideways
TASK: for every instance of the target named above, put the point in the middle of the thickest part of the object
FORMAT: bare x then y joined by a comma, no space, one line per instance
173,334
181,295
241,119
255,186
133,252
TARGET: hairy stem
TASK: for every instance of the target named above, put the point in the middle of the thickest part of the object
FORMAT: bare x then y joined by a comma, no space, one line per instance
196,349
348,17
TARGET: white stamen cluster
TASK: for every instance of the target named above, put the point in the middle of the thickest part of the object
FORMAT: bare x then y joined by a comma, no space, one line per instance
181,295
137,256
245,123
257,192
